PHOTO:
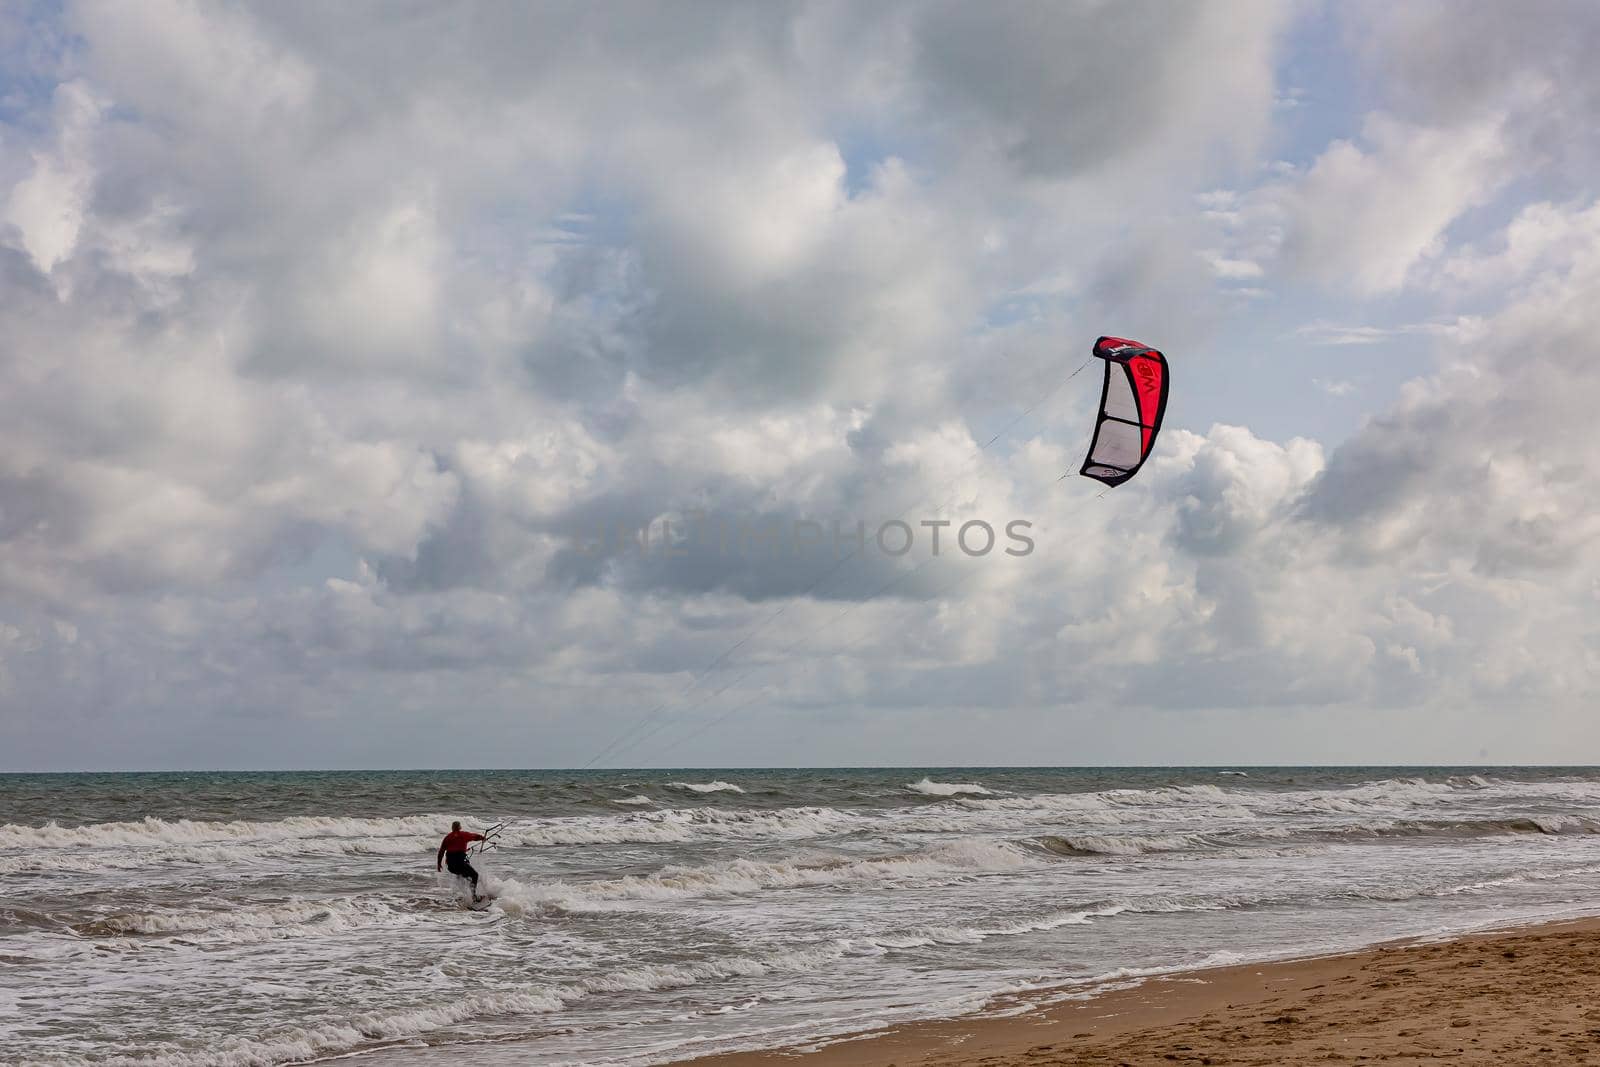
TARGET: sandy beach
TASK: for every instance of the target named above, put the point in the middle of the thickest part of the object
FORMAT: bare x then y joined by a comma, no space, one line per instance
1529,995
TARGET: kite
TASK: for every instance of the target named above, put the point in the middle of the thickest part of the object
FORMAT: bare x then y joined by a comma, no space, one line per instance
1132,402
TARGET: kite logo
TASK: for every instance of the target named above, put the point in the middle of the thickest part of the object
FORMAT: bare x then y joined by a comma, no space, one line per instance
1148,377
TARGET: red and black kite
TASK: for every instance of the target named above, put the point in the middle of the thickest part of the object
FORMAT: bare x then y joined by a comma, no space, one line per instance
1132,402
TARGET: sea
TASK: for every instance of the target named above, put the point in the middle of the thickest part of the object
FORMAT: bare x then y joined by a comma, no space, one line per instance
641,917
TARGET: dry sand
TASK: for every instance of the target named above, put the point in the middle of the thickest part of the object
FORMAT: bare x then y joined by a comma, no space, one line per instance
1525,996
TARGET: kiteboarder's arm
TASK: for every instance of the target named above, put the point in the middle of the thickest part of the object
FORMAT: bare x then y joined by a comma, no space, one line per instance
438,861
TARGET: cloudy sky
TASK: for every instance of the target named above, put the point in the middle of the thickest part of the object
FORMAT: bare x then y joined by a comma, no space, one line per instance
329,335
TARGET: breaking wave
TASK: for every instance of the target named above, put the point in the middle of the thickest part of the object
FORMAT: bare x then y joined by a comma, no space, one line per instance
148,832
243,925
958,859
928,787
1139,844
350,1033
1106,822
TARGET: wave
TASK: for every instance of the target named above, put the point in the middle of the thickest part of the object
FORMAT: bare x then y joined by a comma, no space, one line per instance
19,918
152,831
919,937
1105,822
928,787
373,1027
1176,803
1224,838
129,845
957,859
1481,827
246,924
1118,844
367,1029
89,861
1083,914
1390,798
707,787
674,825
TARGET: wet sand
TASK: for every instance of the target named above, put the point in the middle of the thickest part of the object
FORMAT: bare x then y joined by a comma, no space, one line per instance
1524,996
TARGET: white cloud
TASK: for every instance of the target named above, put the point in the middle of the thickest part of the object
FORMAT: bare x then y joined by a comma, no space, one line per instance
327,337
47,207
1542,238
1364,218
1233,269
1462,329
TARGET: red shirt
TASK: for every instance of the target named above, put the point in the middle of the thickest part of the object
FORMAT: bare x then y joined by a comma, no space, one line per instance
458,840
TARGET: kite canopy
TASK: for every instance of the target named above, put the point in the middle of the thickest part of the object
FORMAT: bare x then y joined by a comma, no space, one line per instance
1132,402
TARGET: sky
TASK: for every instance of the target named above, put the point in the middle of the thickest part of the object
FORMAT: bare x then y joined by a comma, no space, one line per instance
341,345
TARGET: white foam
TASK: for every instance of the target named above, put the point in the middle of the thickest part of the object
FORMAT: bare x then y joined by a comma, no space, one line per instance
675,825
972,935
1125,844
244,925
151,831
970,808
928,787
362,1028
954,859
154,842
707,787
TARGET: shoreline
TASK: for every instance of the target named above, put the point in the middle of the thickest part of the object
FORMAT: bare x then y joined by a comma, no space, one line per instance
1516,994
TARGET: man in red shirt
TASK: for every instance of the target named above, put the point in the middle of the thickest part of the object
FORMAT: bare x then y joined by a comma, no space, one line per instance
453,852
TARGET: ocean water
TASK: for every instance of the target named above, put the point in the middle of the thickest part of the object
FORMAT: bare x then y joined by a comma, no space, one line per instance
270,918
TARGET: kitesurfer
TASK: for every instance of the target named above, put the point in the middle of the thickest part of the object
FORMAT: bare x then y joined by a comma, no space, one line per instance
453,854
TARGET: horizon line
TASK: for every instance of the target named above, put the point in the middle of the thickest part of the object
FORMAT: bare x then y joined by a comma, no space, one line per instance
595,771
